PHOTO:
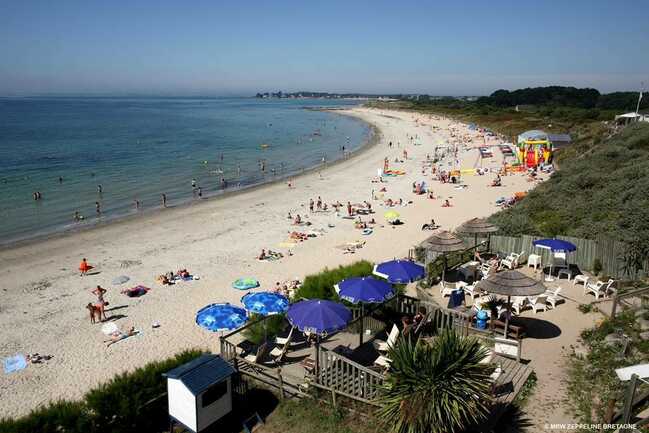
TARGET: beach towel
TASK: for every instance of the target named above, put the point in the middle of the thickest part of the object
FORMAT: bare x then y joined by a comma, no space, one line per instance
14,363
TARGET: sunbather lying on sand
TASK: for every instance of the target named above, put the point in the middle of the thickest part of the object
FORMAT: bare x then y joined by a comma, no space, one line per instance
119,336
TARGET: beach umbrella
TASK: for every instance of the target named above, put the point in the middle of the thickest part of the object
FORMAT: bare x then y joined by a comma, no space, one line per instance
319,317
245,284
121,279
221,317
477,226
364,290
554,245
399,271
391,215
445,242
265,303
511,283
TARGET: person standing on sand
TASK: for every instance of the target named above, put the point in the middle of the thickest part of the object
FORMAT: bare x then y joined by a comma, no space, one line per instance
84,267
164,200
101,303
349,208
319,203
311,205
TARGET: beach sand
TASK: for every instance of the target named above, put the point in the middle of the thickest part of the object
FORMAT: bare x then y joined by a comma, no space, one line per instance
43,296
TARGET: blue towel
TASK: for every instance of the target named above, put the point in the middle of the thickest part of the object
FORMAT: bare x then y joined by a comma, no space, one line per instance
14,363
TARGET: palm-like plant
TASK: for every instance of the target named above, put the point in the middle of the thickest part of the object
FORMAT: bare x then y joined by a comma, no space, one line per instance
436,388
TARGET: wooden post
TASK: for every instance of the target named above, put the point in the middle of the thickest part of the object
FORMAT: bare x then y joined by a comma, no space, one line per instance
614,307
362,326
317,360
628,401
333,397
281,384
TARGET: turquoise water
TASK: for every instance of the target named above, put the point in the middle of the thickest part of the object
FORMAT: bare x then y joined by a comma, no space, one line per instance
137,149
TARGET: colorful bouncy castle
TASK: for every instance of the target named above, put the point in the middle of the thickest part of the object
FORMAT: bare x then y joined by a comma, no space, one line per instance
534,148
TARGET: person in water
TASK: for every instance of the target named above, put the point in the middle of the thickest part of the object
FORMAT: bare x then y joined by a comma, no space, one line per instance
98,208
164,200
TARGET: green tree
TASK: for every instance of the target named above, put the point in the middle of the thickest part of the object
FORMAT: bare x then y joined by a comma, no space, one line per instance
436,388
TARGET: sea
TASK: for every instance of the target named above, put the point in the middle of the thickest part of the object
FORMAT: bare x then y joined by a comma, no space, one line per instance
85,154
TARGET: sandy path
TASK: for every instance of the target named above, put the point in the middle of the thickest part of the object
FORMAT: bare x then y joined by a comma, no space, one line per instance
43,295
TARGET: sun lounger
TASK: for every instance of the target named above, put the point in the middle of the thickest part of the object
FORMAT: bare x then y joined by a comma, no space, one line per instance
553,297
279,351
600,288
258,357
383,361
384,346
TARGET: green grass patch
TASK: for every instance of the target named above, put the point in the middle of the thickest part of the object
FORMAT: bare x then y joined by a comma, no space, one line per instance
321,285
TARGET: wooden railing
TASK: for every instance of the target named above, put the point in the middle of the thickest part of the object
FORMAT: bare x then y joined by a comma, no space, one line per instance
347,377
228,350
621,299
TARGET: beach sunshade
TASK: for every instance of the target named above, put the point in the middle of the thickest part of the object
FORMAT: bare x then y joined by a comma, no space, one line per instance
511,283
400,271
221,317
265,303
477,226
245,284
320,317
14,363
121,279
365,289
391,215
554,245
445,242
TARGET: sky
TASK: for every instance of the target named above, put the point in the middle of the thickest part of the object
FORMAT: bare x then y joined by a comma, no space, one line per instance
216,47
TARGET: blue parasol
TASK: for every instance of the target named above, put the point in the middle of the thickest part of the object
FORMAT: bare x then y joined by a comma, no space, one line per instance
361,290
365,289
399,271
318,316
265,303
555,245
221,317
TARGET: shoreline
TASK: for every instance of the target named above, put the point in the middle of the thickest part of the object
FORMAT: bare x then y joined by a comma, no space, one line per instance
91,225
219,241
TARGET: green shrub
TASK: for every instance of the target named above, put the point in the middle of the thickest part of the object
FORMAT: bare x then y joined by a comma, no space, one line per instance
265,329
125,403
321,285
597,266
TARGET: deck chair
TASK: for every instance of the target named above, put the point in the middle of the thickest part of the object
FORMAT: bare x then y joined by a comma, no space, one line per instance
539,303
512,260
384,346
519,303
258,357
472,291
553,297
600,288
282,341
445,289
485,270
278,352
383,361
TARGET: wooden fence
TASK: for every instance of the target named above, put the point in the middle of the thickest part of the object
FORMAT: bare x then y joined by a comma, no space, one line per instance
608,251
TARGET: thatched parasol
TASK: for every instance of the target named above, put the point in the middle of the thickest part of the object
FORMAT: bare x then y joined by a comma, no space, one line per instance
445,242
477,226
511,283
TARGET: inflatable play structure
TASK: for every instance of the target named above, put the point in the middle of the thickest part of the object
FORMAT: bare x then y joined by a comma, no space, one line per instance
534,148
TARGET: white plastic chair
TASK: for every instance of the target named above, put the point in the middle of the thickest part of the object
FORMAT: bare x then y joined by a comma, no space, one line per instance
581,278
553,296
511,261
539,303
600,288
534,260
519,303
384,346
445,289
472,291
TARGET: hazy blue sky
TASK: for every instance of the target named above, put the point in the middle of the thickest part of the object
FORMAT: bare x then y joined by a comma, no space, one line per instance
220,48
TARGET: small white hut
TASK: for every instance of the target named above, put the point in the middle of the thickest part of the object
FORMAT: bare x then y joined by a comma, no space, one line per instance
200,392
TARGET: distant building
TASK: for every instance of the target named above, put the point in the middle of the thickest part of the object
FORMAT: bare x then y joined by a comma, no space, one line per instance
560,141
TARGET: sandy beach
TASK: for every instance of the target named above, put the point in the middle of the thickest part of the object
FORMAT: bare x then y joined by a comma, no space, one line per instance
43,296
